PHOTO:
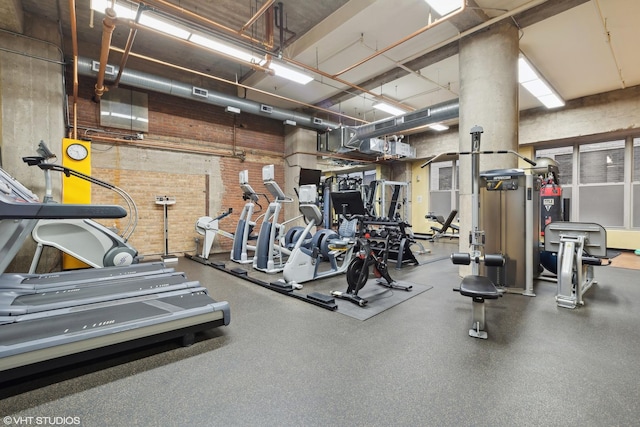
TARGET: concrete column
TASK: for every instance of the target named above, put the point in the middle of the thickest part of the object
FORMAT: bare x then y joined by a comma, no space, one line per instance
299,148
488,98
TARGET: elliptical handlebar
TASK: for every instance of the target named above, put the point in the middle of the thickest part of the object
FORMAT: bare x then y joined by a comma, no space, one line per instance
40,161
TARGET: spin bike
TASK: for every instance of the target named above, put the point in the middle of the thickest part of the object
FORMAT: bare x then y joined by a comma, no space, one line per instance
352,207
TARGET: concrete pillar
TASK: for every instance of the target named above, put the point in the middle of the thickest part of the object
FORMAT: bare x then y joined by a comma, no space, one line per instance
488,98
300,146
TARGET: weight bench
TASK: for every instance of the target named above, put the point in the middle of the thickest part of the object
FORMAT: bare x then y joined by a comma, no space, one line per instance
444,225
478,288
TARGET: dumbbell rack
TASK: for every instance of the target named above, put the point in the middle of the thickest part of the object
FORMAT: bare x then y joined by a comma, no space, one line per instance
398,248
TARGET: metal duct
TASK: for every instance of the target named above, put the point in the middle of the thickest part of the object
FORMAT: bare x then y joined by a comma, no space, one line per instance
167,86
437,113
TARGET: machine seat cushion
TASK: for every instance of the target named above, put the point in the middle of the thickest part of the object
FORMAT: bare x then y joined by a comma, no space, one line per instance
478,287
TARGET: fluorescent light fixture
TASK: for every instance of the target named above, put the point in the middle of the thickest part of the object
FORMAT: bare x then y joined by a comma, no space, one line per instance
531,80
289,122
439,127
149,20
226,49
383,106
290,74
444,7
123,10
234,110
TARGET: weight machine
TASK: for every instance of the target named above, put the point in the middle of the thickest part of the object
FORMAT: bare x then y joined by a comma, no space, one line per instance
481,287
579,246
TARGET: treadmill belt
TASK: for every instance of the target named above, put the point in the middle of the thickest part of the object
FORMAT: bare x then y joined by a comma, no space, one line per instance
96,274
87,319
75,296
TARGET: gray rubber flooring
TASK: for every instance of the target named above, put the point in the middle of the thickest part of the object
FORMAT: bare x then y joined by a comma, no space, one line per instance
282,362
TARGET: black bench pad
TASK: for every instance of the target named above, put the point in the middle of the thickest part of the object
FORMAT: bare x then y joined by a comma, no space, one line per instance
478,287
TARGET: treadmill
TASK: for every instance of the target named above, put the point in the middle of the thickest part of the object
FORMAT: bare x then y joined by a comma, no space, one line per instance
52,320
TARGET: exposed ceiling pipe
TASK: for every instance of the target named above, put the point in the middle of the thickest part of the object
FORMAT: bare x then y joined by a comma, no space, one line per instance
127,48
133,24
257,15
163,4
268,27
437,113
240,85
108,24
74,42
402,40
280,24
167,86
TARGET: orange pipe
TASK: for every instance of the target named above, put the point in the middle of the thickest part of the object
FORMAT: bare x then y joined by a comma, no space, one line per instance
108,25
167,5
402,40
258,14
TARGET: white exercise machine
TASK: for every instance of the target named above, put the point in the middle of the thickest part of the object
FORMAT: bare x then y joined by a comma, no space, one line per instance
271,252
304,263
83,239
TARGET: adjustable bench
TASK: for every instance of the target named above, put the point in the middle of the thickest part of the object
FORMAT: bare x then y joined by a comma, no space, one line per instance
478,288
444,225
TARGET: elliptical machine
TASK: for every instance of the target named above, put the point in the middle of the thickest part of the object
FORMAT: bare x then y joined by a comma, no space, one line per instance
271,251
83,239
209,227
303,264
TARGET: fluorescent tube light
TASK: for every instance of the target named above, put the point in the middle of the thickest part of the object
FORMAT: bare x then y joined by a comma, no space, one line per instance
444,7
439,127
212,44
382,106
290,74
531,80
123,10
148,20
234,110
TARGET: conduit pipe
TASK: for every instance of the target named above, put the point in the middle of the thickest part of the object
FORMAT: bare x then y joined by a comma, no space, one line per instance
257,15
402,40
167,86
133,31
160,4
74,43
108,24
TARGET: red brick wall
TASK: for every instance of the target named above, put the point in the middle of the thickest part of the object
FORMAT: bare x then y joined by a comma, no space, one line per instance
191,125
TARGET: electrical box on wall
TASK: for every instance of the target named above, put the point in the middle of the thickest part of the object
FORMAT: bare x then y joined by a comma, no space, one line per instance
76,155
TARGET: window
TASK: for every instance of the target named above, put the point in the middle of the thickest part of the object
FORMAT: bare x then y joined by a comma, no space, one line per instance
636,159
602,183
602,162
443,181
